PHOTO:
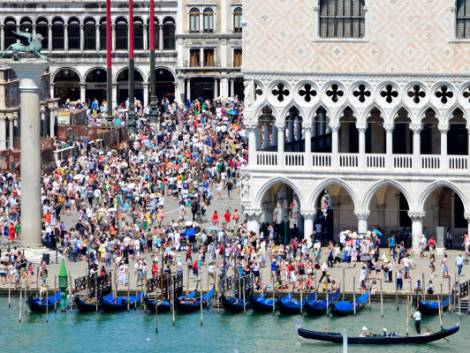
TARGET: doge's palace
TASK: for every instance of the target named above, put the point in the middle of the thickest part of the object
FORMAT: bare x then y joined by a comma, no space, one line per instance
358,116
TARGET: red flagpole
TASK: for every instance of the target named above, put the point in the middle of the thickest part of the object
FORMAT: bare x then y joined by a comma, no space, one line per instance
131,122
152,24
109,62
153,99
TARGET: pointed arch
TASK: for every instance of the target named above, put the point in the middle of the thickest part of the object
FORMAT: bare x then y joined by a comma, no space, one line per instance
278,180
379,185
330,182
261,107
439,184
286,110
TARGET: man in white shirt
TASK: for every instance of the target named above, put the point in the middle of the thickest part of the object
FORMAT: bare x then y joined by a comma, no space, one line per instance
459,262
417,317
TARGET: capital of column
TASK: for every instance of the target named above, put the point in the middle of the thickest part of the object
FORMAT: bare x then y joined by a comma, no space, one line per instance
280,126
252,212
362,215
389,127
29,72
308,214
417,128
334,128
416,215
443,128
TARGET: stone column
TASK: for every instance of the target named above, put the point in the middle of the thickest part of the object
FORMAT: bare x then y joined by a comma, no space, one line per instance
389,147
308,144
2,37
216,88
280,145
82,91
113,29
416,227
146,94
97,36
29,73
224,87
51,90
42,129
115,95
3,133
52,110
308,223
160,38
444,157
232,87
146,46
201,57
252,220
362,222
11,132
49,37
82,37
188,89
66,37
417,146
362,147
334,146
252,145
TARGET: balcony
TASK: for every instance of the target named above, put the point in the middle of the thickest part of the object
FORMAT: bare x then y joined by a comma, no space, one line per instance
372,163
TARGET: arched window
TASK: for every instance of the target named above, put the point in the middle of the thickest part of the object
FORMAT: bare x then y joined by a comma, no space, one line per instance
138,33
157,34
462,24
26,25
103,33
90,34
57,34
194,16
73,29
342,19
121,34
41,28
10,27
237,19
169,34
208,17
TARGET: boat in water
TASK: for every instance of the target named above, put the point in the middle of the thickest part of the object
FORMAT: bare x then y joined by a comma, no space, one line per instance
346,307
319,307
110,304
379,339
431,307
235,305
288,305
162,305
261,304
42,305
86,304
192,302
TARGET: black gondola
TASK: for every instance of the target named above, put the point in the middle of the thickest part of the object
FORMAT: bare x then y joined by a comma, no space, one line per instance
164,305
85,305
431,307
235,305
261,304
192,302
378,340
40,305
109,304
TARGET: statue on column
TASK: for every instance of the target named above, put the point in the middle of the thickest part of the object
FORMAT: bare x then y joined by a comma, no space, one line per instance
33,47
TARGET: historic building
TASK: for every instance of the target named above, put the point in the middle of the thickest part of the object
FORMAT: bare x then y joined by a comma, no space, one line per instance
358,116
198,46
209,46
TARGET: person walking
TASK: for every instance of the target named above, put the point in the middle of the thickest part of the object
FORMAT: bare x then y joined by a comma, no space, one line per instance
459,262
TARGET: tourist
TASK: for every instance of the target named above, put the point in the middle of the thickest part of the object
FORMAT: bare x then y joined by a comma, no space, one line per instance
445,267
459,262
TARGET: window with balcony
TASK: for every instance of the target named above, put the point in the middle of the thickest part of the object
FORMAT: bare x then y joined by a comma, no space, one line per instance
208,17
194,58
194,18
342,18
237,58
237,19
462,21
209,57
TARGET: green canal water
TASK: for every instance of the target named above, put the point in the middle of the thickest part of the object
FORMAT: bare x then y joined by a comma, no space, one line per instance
221,333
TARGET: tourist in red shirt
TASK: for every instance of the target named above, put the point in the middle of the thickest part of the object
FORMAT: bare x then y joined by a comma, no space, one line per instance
227,216
215,218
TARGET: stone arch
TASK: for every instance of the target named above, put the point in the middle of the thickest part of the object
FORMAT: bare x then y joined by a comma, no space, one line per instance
286,110
66,68
271,182
380,184
436,185
329,182
261,107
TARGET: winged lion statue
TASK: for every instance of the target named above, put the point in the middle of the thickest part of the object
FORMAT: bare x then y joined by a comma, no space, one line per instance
33,47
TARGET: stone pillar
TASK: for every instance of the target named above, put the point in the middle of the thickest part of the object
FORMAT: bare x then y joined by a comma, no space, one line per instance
444,157
232,87
160,38
42,129
113,29
3,133
82,91
280,145
52,110
2,37
308,223
224,87
308,141
216,88
97,36
66,37
11,132
252,146
146,94
362,222
188,89
146,46
334,146
49,37
417,147
362,147
201,57
115,95
29,73
252,220
82,37
416,227
389,146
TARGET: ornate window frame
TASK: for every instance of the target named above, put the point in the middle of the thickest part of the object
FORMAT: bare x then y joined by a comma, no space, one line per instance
201,8
453,25
316,26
